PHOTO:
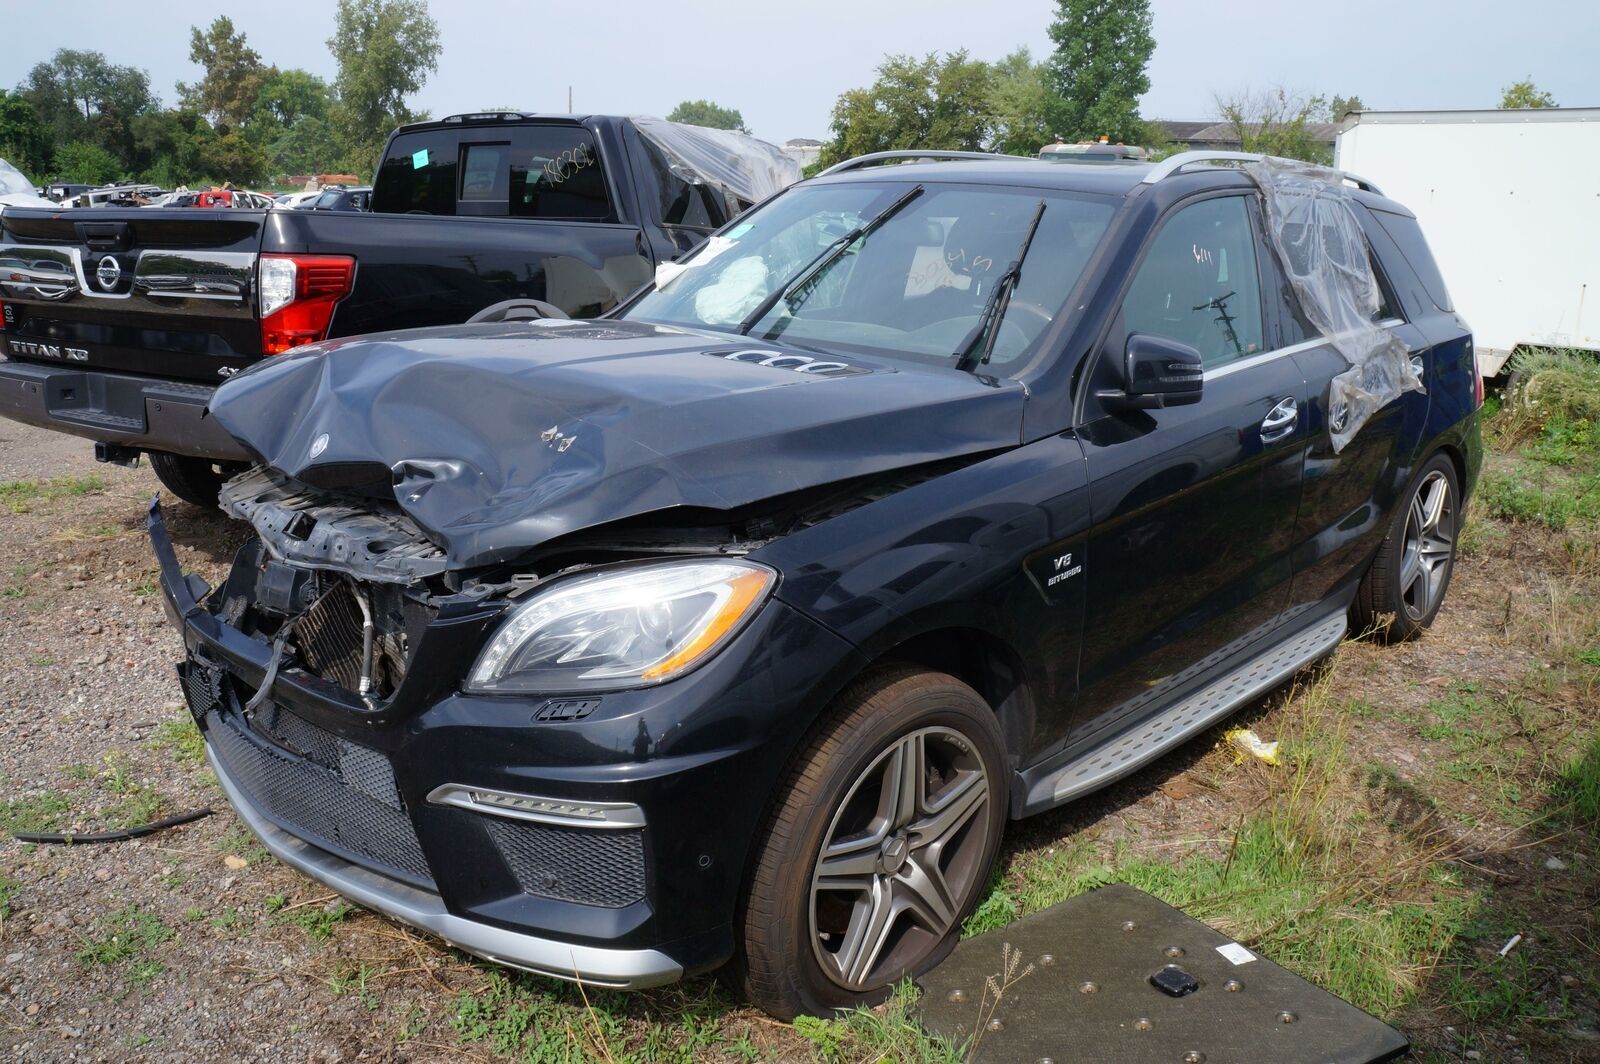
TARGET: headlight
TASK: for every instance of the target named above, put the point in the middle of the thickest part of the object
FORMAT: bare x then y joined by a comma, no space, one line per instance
626,627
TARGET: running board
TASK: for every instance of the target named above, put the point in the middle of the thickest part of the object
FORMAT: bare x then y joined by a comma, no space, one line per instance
1154,736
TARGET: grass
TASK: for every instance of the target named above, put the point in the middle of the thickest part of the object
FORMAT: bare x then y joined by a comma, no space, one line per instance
1580,785
43,812
9,889
19,495
180,736
318,921
124,939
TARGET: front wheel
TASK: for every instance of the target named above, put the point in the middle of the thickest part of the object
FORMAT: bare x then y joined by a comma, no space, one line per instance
1402,592
882,839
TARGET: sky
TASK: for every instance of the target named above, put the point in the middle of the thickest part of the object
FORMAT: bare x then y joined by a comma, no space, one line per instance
784,64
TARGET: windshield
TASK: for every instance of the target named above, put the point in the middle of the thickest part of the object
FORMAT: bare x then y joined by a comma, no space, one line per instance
913,287
12,182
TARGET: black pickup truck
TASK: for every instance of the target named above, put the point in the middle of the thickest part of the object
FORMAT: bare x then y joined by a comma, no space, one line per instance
116,325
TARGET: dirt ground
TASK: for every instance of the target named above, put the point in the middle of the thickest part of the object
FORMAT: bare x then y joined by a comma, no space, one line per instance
194,944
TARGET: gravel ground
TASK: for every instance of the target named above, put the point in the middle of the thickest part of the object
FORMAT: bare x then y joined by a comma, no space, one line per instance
195,945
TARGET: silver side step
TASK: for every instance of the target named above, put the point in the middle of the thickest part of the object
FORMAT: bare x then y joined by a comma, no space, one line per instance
1151,738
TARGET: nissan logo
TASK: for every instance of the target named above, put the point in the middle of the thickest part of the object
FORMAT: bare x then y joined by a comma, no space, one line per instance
108,273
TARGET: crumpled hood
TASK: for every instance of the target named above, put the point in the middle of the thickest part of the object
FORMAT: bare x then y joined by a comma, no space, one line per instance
499,437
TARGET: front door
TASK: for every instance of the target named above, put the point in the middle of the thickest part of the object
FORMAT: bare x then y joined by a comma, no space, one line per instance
1193,507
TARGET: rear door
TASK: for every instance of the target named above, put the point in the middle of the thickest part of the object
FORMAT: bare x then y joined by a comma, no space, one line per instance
1193,506
152,292
1349,494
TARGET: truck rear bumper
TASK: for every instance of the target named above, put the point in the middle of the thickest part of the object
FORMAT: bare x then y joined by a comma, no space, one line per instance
136,412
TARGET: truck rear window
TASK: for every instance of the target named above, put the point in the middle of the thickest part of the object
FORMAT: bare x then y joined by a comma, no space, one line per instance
548,172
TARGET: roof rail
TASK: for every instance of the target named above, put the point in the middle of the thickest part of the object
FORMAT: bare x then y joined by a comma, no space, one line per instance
941,155
1173,163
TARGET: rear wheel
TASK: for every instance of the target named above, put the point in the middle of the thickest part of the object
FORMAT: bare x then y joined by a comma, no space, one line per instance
194,480
882,840
1402,592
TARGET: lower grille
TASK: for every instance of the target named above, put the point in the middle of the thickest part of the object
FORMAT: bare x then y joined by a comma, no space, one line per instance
584,865
324,789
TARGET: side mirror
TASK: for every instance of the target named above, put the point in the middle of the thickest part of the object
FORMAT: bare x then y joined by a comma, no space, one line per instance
1157,373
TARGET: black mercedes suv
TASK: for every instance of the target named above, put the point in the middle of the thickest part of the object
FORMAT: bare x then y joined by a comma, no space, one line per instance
730,629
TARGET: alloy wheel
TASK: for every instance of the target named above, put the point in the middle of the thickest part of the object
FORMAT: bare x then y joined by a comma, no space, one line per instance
1429,546
900,858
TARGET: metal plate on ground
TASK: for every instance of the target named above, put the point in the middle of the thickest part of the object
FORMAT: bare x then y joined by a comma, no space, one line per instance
1092,996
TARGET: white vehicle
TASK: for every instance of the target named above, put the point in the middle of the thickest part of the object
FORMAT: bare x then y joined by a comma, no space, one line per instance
1508,202
298,200
18,191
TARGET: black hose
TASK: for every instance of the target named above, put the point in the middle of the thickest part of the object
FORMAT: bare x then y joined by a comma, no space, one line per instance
69,839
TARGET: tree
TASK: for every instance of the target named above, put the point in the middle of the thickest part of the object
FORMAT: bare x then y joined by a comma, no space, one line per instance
931,102
306,147
706,113
1524,93
234,74
385,50
1340,106
288,96
1275,122
1097,72
1018,93
23,140
79,96
86,164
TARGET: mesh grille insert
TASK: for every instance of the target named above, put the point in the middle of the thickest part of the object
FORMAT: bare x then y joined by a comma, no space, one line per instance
584,865
339,796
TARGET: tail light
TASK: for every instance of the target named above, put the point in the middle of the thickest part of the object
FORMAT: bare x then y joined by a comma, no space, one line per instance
1477,383
296,295
5,315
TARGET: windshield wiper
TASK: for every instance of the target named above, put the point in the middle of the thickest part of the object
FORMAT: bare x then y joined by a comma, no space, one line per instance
792,289
978,345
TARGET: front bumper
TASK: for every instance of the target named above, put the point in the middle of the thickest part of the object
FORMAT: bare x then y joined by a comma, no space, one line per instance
151,415
624,969
699,757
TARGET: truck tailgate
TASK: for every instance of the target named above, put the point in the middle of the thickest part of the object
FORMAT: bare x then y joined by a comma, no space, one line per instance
164,293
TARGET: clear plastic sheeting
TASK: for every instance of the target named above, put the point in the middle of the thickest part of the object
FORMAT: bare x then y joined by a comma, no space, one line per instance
1312,223
745,170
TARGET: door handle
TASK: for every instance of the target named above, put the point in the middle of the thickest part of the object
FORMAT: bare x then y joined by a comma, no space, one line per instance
1280,420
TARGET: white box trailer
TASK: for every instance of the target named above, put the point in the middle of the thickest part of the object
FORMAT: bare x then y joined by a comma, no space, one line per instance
1510,204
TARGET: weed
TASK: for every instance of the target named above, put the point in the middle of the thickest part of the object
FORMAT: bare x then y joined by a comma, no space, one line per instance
415,1023
14,591
232,921
238,840
319,922
44,812
9,889
125,937
194,914
351,978
141,806
40,661
181,737
1580,784
889,1032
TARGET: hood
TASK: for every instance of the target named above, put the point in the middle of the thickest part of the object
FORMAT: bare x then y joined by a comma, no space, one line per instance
496,438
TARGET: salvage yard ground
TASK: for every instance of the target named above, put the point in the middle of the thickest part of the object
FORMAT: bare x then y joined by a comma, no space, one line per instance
1434,800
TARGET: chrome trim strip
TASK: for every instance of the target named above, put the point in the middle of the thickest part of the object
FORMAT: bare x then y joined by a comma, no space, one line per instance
594,815
225,276
621,969
1265,356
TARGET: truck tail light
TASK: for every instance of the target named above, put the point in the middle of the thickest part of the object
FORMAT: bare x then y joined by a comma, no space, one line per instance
4,315
296,295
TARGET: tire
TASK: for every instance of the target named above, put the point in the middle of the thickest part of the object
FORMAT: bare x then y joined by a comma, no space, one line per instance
194,480
1401,593
923,872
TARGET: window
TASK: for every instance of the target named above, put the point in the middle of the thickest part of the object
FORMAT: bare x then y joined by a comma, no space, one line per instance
555,173
1407,235
1198,283
418,174
915,287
